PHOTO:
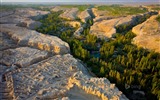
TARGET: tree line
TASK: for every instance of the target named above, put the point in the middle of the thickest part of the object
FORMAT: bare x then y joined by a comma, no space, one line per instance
120,61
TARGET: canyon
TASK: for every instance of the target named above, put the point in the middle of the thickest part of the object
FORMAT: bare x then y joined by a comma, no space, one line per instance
37,66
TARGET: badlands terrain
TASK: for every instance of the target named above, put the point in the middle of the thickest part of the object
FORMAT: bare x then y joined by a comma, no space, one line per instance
37,66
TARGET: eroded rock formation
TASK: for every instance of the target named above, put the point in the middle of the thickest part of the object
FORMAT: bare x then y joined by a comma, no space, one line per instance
22,17
37,66
148,34
107,28
32,38
84,16
70,14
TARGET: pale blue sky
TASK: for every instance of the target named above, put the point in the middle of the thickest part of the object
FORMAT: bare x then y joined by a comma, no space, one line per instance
80,1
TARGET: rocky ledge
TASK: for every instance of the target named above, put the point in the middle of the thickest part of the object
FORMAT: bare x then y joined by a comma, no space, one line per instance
22,17
106,27
148,34
35,66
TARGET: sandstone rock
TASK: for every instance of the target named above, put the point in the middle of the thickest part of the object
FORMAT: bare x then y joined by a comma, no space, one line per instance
70,14
98,13
148,34
6,13
107,28
29,12
39,81
31,38
84,16
6,42
58,8
101,18
22,56
22,17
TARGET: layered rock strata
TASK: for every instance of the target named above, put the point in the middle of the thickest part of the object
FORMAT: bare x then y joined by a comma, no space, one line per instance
22,17
148,34
70,14
107,28
84,15
32,38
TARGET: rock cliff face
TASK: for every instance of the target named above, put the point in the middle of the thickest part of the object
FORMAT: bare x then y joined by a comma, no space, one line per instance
148,34
84,15
37,66
32,38
70,14
98,13
107,28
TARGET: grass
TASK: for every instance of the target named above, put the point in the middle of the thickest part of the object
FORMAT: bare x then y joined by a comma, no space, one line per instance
80,7
10,7
117,10
13,7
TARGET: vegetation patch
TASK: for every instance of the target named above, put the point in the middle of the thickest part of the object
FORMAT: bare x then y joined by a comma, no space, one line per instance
13,7
117,10
80,7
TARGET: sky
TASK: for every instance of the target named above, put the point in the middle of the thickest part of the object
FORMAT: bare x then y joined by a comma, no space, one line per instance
81,1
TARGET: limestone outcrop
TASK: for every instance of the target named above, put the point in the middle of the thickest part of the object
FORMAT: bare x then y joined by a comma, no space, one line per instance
6,43
98,13
107,28
84,15
58,8
70,14
54,77
101,18
32,38
22,56
6,13
23,17
148,34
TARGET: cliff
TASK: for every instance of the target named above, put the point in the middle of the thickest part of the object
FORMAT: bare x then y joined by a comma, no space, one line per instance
148,34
